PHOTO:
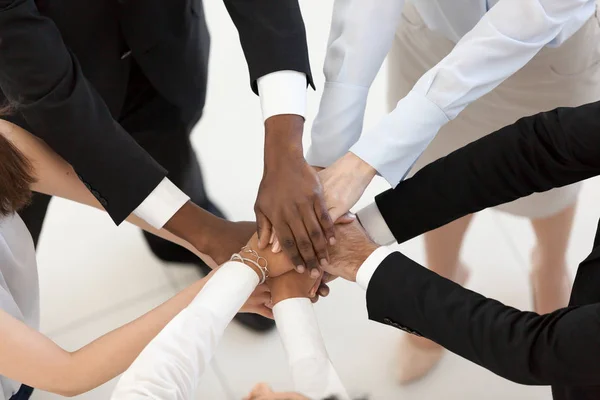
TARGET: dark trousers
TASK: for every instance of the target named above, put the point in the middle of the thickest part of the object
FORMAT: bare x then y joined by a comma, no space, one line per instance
24,393
156,125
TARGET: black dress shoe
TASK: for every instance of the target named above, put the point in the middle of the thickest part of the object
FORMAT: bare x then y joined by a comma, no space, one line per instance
255,322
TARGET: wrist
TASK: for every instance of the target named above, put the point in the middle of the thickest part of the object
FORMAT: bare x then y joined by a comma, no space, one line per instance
254,268
360,168
369,248
196,226
283,137
283,291
251,258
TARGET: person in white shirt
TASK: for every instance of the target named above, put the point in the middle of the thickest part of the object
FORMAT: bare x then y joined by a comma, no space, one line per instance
26,356
170,367
30,358
497,60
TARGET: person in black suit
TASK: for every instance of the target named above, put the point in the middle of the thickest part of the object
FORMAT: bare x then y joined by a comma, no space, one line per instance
116,86
537,153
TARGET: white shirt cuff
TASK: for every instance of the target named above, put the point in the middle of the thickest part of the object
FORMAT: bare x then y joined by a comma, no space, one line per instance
160,205
282,92
312,372
371,219
368,268
299,329
338,123
398,140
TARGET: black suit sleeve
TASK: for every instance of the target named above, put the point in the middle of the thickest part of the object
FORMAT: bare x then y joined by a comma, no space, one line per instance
272,35
43,80
535,154
524,347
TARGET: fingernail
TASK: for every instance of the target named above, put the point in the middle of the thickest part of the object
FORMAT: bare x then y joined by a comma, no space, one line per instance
275,248
332,241
314,273
324,262
300,268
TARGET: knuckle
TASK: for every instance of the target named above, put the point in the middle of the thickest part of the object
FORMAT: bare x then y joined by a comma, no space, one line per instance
297,260
322,253
325,215
316,234
304,201
258,207
288,243
304,246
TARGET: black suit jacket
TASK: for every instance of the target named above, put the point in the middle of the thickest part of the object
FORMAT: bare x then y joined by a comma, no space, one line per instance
535,154
64,64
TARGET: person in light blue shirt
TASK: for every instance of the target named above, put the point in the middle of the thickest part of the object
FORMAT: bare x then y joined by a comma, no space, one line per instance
461,69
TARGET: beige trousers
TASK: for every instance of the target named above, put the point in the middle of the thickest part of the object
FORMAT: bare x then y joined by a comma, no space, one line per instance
565,76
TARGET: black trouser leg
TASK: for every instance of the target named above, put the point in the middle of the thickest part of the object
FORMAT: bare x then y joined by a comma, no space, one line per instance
174,152
156,125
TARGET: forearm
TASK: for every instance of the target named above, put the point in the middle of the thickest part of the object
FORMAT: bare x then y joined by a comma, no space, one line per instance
360,38
557,348
272,36
535,154
170,366
113,353
283,139
312,371
54,176
44,80
515,30
33,359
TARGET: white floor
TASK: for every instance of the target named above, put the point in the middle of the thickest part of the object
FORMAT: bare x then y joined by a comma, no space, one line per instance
95,277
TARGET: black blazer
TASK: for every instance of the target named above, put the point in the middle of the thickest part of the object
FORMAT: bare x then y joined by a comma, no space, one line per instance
64,63
535,154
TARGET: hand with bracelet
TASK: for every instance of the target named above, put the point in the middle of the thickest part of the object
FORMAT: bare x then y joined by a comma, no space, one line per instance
177,356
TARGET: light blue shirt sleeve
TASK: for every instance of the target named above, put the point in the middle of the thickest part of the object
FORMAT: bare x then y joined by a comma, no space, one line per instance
361,35
508,36
504,39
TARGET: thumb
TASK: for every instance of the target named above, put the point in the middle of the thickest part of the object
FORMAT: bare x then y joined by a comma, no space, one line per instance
346,218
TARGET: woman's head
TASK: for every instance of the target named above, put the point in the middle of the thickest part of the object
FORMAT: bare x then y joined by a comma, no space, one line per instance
15,178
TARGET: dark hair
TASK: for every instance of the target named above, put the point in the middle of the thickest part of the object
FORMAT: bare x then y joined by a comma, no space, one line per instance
15,178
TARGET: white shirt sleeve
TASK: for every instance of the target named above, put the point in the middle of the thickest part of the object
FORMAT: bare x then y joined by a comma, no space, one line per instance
282,92
368,268
360,37
161,204
371,219
508,36
312,372
171,365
